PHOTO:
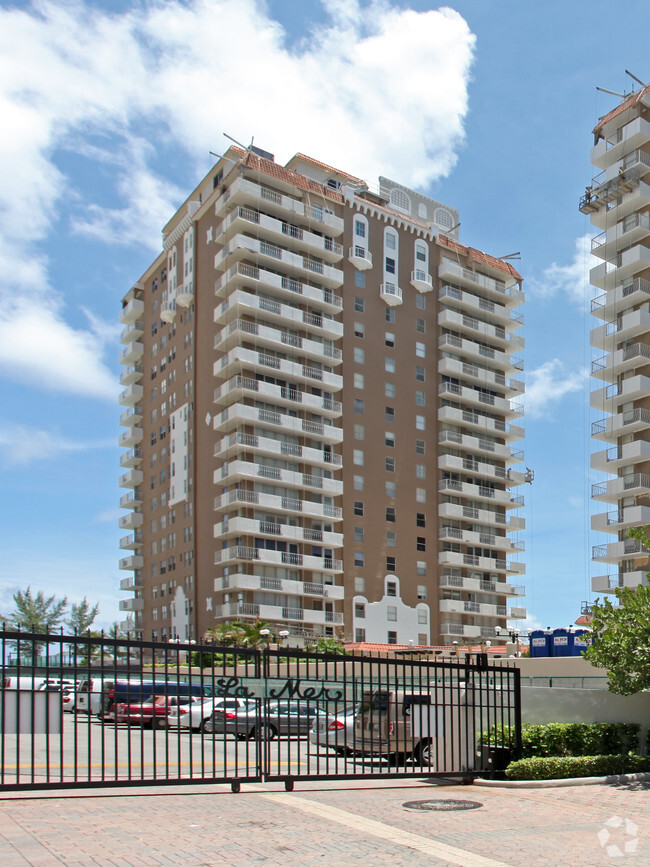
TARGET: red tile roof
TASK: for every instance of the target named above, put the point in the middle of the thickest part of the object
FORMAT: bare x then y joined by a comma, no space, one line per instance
268,167
584,620
327,168
627,103
369,647
479,257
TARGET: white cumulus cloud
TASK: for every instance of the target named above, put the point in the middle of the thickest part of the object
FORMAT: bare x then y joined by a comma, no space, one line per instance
572,280
549,383
20,445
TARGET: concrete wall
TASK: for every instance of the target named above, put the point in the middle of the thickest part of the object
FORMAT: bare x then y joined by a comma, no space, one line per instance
544,705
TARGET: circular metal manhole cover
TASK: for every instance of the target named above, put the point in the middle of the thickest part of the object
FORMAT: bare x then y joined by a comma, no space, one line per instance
442,805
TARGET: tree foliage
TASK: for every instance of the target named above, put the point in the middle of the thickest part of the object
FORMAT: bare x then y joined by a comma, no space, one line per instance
238,634
82,616
621,634
327,645
37,613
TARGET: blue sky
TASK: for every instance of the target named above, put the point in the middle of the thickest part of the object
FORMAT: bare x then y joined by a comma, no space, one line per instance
109,113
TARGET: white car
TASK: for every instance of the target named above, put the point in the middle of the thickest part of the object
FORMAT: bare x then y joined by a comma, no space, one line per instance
194,716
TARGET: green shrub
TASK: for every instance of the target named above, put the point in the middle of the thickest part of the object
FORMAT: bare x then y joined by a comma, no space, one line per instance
564,767
567,739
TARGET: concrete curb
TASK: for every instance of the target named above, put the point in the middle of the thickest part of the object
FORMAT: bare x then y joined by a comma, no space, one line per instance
571,781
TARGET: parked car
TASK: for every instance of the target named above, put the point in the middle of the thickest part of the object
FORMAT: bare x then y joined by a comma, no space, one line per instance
264,719
153,712
335,731
130,692
197,715
396,724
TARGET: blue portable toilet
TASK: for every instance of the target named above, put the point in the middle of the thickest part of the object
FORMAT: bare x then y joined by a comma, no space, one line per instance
540,643
560,642
578,641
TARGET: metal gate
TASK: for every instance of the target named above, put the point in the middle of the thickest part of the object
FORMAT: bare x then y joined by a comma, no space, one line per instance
84,711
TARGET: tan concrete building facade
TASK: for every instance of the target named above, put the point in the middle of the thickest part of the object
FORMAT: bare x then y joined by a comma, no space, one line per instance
310,363
618,202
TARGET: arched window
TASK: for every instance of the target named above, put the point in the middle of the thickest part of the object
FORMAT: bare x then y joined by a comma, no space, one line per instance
443,218
400,200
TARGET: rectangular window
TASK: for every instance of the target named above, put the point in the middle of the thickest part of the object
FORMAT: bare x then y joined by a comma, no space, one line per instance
359,279
390,465
391,539
390,489
359,229
420,471
391,588
391,564
358,534
419,374
420,253
420,519
359,380
359,610
389,365
389,315
422,591
420,495
419,398
359,432
420,326
390,514
391,638
389,413
359,636
359,559
390,265
359,585
420,422
359,329
389,440
358,508
421,543
390,241
359,355
421,568
419,447
420,350
357,457
391,612
422,616
389,389
389,339
358,482
420,301
359,304
358,406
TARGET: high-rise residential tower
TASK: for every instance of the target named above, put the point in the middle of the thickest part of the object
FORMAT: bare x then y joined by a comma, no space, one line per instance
618,203
320,389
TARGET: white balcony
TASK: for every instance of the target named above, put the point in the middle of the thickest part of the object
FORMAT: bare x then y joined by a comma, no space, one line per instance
131,374
482,493
479,352
421,280
480,585
478,329
277,558
131,416
239,358
615,200
235,471
131,479
391,294
132,500
239,387
478,469
499,286
360,257
131,437
130,583
623,296
134,604
500,543
132,353
277,613
627,138
621,519
485,377
632,485
240,304
239,527
233,444
609,460
131,521
609,367
242,219
244,191
610,398
131,459
480,423
185,293
275,339
133,541
488,311
476,444
625,327
131,395
242,581
239,413
290,506
484,516
456,559
614,552
131,311
244,274
456,630
480,609
627,264
473,397
134,561
628,422
242,246
133,331
631,230
609,583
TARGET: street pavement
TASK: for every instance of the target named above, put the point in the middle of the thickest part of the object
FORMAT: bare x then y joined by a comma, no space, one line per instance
328,823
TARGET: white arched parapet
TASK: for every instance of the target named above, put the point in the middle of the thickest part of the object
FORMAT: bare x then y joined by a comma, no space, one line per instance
408,624
359,254
420,277
400,201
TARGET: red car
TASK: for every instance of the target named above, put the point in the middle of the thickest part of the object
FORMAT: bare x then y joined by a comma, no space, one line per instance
152,712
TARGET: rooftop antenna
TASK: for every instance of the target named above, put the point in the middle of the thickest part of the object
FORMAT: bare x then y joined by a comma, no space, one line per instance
613,92
638,80
453,229
250,146
510,256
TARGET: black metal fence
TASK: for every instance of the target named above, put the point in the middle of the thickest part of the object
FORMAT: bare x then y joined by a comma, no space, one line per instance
81,711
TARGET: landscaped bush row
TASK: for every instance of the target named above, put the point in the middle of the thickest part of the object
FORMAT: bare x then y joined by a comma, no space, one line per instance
565,767
567,739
